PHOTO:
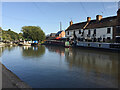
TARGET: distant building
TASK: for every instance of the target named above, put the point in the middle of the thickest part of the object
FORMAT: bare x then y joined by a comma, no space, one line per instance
100,29
57,35
60,34
52,34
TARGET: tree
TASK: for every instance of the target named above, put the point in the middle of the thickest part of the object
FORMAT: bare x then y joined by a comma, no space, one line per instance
13,35
33,33
30,52
21,36
0,34
5,35
10,35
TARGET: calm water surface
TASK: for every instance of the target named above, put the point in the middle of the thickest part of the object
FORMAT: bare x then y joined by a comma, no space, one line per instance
59,67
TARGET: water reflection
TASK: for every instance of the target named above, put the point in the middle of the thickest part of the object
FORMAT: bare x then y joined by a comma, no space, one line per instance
8,48
29,51
101,64
78,68
93,60
60,50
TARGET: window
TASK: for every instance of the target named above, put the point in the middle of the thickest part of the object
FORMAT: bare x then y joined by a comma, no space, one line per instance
103,39
108,30
118,29
99,45
94,39
89,32
88,44
74,32
74,35
94,31
79,31
108,38
68,32
78,39
82,33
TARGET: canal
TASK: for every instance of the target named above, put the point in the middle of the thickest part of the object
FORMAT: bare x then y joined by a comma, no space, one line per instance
59,67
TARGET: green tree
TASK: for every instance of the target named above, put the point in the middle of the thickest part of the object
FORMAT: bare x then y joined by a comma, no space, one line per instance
13,35
10,35
30,52
5,35
33,33
0,34
21,36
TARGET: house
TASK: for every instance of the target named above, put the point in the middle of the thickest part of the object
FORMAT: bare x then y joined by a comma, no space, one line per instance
57,35
60,34
98,30
52,34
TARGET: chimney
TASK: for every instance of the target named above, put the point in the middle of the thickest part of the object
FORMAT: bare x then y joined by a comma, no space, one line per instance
71,22
88,19
118,12
98,17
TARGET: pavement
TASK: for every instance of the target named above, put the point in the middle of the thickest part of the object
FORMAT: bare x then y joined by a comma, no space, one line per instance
10,80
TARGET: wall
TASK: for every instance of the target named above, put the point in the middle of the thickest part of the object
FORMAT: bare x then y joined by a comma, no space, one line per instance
62,34
100,32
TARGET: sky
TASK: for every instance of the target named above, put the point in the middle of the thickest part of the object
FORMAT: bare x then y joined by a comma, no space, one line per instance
48,15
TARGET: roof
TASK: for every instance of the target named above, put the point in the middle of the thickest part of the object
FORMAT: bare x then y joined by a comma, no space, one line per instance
52,34
104,22
58,32
77,26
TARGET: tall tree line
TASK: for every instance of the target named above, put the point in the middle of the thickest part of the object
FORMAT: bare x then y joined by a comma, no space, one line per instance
28,33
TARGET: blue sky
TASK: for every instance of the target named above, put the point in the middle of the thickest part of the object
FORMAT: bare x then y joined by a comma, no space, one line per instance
48,15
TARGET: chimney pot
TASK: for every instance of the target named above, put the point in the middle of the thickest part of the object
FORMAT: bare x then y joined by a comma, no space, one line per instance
98,17
118,13
71,22
88,19
118,16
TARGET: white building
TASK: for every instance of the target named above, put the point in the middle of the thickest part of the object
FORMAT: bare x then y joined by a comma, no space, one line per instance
100,29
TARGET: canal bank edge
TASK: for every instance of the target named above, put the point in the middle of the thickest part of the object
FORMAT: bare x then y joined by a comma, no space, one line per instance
10,80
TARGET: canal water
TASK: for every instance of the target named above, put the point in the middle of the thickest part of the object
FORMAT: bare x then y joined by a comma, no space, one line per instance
59,67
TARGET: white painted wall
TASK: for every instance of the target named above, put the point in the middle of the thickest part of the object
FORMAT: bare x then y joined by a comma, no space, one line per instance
100,32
